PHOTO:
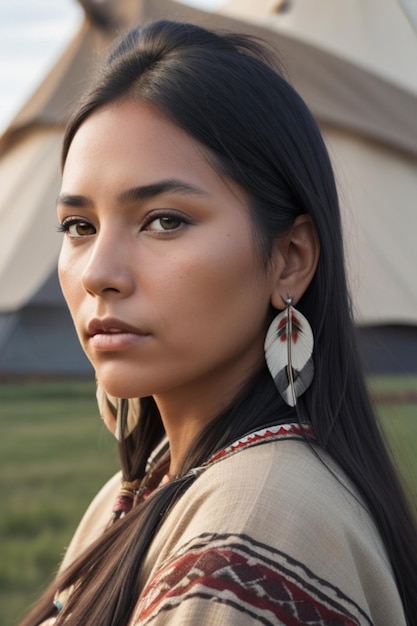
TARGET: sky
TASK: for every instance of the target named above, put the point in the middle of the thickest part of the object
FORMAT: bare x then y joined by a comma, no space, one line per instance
33,33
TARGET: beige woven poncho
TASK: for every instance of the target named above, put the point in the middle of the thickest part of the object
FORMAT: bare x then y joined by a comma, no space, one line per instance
272,534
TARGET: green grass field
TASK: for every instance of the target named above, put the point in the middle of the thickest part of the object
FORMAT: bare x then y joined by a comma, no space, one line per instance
55,454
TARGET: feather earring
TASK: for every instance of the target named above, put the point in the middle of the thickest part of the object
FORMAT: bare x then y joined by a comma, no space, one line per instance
288,352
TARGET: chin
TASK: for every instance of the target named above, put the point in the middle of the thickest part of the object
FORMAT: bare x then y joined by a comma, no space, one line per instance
124,384
122,389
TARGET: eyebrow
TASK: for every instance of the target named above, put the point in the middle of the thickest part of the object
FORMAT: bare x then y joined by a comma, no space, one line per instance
135,194
155,189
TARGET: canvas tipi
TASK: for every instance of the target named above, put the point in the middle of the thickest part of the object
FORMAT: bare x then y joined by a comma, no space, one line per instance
363,93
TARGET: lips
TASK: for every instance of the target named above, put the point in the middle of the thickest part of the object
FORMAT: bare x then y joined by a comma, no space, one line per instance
112,335
111,326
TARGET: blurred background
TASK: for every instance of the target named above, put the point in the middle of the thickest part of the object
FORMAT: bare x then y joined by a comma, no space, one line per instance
353,61
355,64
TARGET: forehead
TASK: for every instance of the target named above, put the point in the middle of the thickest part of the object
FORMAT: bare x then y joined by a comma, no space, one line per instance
130,129
131,143
135,137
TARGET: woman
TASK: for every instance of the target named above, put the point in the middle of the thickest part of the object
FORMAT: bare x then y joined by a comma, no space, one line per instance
202,240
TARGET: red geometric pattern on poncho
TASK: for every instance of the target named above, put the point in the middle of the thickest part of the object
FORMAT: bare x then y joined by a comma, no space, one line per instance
254,579
290,430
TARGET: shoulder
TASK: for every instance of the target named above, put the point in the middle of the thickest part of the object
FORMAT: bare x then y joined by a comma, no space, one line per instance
276,525
281,483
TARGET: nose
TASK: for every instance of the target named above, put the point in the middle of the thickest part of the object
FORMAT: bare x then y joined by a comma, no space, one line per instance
108,271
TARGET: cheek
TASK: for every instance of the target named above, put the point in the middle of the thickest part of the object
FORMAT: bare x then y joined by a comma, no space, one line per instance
215,292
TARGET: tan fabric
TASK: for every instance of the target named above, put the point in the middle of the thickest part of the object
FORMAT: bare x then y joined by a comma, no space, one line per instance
273,508
94,521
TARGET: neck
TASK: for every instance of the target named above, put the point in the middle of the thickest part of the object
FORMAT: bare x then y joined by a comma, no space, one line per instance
185,413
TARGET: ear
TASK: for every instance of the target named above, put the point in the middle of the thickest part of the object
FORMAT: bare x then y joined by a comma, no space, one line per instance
297,255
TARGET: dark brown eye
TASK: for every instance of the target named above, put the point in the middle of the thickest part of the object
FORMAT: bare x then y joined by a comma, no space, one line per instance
169,223
77,228
82,229
165,223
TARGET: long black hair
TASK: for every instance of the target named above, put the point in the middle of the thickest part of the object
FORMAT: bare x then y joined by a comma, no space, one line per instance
226,91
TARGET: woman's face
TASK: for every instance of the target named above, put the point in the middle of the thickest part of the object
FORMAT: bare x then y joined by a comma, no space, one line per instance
158,264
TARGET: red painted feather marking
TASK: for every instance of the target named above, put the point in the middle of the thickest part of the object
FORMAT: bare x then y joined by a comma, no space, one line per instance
282,330
296,327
